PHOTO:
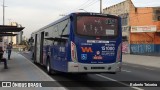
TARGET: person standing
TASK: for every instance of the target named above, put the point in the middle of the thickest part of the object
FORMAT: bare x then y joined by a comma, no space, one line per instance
3,59
5,45
9,50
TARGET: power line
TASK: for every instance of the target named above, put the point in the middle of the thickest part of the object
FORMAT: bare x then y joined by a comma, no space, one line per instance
82,5
86,4
71,10
90,4
106,2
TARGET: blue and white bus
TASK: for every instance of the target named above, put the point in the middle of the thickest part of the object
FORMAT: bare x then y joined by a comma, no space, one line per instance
79,43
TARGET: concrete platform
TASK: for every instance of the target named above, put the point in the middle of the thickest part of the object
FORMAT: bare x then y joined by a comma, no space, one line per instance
21,69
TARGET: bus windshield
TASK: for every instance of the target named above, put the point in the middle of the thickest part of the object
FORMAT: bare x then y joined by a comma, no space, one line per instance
97,26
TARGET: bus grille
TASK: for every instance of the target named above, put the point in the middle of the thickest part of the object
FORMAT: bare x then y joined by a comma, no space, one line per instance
97,67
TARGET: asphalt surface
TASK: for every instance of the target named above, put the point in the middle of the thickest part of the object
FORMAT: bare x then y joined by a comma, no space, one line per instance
120,81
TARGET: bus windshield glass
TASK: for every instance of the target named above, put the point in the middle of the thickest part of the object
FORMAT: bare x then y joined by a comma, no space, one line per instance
97,26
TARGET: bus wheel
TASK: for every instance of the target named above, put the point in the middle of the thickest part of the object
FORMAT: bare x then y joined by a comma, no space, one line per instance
48,67
112,72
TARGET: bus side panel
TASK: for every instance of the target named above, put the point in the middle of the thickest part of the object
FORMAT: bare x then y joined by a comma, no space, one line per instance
59,49
48,32
58,59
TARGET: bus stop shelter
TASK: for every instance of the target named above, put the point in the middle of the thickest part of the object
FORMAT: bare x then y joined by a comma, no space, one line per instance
6,30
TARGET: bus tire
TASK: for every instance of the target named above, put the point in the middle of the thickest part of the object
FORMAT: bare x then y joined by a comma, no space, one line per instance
112,72
49,70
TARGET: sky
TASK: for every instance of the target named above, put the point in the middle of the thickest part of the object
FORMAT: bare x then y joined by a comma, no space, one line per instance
35,14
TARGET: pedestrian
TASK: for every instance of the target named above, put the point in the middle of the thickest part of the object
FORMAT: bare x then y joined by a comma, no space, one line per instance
3,59
9,50
5,45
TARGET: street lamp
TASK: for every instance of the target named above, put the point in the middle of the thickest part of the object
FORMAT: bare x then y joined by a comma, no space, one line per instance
3,12
100,6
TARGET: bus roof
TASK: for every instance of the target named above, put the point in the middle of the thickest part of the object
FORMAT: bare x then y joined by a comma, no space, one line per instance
67,16
51,24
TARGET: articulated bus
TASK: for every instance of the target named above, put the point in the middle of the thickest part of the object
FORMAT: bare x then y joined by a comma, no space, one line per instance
79,43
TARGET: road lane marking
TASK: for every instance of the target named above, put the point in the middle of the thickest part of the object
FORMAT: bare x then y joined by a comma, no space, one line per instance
125,70
136,88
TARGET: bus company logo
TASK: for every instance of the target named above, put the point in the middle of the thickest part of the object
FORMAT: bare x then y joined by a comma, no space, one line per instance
87,49
99,57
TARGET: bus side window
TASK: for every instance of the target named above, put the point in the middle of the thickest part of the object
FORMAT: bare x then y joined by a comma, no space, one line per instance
59,43
63,43
55,43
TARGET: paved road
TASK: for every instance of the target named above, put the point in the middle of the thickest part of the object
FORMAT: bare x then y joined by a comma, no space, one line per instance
130,72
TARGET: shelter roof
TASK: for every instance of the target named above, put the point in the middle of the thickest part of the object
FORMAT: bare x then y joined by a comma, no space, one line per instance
7,28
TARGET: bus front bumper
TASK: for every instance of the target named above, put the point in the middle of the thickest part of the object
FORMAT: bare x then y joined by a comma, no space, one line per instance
93,68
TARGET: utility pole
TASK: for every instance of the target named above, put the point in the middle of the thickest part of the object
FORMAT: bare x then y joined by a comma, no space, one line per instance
100,6
3,12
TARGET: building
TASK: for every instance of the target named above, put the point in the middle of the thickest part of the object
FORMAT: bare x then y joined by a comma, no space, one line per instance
122,9
19,37
140,27
6,34
15,39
